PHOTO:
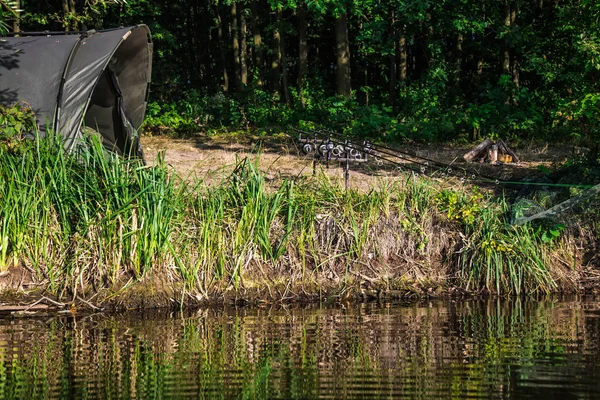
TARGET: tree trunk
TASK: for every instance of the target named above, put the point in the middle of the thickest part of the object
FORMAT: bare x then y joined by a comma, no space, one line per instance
284,75
222,50
514,68
258,54
428,42
393,64
515,71
403,57
494,152
478,45
243,49
506,65
343,77
276,64
66,12
506,58
17,21
393,76
237,68
413,57
302,51
504,149
191,67
479,151
459,56
74,14
366,85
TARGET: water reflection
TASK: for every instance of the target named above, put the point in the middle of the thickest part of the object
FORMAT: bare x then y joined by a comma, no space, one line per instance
472,349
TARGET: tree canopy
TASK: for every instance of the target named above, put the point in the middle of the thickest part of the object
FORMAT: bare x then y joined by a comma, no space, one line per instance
417,69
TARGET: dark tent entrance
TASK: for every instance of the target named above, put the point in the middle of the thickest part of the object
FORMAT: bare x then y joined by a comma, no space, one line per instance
96,82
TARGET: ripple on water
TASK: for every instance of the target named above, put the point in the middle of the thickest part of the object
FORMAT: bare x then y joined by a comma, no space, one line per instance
471,349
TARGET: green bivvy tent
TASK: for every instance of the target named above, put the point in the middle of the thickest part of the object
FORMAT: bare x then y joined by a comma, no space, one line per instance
92,81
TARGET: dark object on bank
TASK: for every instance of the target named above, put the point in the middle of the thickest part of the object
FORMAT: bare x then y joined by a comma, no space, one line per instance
94,79
327,146
492,152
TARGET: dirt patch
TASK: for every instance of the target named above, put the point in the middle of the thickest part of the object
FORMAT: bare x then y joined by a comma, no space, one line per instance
211,159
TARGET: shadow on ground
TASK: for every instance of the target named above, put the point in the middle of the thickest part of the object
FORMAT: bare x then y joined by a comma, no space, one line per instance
280,156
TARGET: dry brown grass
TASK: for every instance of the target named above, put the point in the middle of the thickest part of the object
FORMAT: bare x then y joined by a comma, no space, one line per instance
212,158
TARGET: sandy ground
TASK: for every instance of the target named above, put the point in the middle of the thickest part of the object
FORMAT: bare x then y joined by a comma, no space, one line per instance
211,159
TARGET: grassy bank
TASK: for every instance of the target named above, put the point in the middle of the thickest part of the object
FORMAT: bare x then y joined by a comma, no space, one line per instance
112,231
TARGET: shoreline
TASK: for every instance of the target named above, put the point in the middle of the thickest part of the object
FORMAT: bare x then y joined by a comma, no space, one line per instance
103,232
32,304
407,280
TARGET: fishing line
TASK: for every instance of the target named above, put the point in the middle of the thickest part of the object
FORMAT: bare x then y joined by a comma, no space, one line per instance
385,149
381,151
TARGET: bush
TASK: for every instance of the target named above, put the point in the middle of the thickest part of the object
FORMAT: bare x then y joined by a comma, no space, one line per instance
17,120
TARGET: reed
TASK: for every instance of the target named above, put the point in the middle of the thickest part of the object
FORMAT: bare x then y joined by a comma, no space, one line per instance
88,221
503,258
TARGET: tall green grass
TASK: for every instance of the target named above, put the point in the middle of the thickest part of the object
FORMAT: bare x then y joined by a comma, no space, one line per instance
84,218
90,220
503,258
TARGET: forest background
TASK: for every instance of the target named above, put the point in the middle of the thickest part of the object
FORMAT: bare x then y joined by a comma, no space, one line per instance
385,69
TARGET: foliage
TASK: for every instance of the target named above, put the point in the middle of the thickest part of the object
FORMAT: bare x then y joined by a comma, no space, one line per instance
16,120
163,118
420,70
460,206
60,208
7,12
501,258
550,234
93,220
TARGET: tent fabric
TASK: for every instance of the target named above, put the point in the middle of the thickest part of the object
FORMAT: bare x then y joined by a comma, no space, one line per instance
96,79
31,70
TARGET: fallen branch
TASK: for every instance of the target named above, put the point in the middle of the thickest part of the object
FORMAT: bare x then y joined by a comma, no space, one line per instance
504,149
90,305
44,298
479,151
493,152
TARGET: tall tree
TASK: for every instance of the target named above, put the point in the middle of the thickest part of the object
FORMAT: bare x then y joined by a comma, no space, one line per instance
276,61
342,44
68,14
243,48
257,39
221,47
507,21
17,17
459,56
514,67
393,59
235,35
403,52
302,51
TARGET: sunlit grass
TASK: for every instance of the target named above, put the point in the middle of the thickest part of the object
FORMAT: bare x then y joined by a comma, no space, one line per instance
91,220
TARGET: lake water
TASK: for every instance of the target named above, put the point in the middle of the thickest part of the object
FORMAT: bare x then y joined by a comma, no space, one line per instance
546,349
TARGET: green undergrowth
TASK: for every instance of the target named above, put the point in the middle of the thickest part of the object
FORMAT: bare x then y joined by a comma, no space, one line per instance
96,226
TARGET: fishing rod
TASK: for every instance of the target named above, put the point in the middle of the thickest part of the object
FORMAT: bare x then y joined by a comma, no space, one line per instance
338,148
332,145
425,161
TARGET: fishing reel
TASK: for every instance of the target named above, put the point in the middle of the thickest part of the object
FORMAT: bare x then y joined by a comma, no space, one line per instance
323,146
